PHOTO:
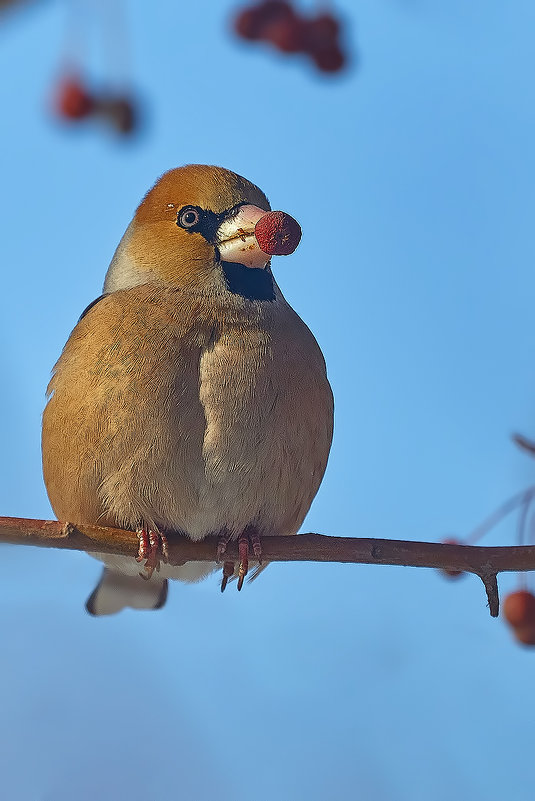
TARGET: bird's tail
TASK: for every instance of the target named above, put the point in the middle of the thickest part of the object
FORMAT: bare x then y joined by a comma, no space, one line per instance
115,591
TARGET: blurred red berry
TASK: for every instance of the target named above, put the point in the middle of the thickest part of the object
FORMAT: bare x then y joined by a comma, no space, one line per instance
248,24
519,609
270,10
120,112
451,574
321,32
72,100
525,634
285,34
122,115
330,60
253,23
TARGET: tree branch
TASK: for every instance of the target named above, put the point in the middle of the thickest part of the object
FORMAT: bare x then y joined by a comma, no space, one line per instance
482,561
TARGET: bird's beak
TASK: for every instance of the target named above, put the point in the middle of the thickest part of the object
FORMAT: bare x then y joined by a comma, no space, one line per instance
236,238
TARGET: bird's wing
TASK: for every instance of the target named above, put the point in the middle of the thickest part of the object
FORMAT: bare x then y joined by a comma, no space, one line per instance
124,426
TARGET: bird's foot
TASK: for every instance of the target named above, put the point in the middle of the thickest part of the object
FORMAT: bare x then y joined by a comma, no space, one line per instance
248,538
222,542
153,547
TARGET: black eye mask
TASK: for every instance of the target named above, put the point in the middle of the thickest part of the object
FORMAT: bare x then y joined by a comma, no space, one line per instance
207,222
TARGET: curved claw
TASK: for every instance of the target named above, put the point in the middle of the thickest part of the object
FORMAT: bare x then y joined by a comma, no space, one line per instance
249,537
228,572
153,547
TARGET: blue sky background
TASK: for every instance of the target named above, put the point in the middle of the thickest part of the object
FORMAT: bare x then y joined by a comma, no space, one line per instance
413,179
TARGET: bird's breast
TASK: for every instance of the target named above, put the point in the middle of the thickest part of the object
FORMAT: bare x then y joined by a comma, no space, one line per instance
175,414
268,413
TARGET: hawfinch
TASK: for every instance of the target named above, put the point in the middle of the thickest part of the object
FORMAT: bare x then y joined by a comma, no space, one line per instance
190,397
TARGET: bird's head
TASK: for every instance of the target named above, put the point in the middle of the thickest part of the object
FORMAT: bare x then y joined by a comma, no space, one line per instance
203,228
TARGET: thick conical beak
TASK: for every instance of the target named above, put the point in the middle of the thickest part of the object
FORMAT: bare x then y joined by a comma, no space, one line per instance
236,238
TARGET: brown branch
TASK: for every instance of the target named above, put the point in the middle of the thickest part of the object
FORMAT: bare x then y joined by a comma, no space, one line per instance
482,561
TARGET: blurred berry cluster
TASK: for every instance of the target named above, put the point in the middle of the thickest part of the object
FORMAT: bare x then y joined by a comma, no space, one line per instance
75,102
278,23
518,606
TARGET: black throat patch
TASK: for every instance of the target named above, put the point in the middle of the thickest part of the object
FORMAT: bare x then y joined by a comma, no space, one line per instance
249,282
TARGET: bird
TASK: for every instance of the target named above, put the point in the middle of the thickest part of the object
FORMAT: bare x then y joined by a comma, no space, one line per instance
190,398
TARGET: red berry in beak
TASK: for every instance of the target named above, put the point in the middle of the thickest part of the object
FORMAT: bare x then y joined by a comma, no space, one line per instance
277,233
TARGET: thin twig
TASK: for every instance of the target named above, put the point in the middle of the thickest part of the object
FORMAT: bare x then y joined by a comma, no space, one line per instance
520,499
483,562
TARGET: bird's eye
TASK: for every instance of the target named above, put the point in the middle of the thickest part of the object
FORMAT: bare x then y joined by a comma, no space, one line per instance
188,217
